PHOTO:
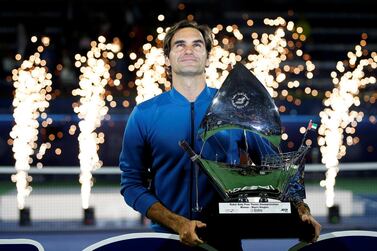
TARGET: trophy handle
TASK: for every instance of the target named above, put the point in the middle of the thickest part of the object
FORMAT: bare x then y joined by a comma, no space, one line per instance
185,146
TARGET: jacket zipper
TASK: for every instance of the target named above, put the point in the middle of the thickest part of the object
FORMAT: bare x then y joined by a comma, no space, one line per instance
192,125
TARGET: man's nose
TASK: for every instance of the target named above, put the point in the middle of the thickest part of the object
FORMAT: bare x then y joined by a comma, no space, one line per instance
188,49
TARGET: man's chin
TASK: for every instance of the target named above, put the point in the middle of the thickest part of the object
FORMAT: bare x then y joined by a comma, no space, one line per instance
191,73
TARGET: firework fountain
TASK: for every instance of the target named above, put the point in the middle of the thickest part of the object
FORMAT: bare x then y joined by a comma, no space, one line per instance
32,84
92,109
339,118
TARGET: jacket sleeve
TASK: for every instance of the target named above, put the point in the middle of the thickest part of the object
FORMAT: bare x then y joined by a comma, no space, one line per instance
133,165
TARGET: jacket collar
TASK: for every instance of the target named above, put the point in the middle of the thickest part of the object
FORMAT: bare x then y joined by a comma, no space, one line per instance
178,98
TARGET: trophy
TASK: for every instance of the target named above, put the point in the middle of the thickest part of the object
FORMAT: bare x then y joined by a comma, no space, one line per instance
262,191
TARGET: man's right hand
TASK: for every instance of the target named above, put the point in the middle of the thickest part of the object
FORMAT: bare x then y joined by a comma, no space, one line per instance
187,231
184,227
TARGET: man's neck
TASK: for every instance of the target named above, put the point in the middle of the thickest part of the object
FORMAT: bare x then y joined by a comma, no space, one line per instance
189,87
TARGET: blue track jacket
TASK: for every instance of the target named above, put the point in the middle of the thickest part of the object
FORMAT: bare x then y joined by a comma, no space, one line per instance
150,149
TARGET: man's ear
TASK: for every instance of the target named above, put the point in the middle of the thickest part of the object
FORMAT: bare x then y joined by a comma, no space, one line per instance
207,61
167,61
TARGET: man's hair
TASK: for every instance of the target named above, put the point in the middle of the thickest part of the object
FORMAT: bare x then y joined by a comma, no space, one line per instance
203,29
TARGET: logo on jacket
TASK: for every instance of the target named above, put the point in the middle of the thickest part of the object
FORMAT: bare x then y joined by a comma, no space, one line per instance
240,100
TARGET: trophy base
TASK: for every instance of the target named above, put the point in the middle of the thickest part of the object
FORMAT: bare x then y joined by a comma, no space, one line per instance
249,222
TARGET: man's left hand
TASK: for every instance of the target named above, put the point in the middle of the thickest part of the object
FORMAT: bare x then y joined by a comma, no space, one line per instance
305,216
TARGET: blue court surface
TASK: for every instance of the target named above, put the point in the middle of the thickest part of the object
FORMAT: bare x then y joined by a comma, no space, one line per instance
72,241
75,241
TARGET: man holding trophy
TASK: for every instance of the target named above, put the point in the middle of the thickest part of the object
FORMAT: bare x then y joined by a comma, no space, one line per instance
167,183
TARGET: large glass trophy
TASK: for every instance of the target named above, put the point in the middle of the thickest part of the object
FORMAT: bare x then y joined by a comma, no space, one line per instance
267,189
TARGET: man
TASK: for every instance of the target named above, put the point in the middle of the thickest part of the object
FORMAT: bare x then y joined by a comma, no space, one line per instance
150,146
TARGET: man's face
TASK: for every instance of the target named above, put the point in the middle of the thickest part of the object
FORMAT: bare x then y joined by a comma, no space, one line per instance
188,54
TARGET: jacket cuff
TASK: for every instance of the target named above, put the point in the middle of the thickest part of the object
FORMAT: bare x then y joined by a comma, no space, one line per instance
144,202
